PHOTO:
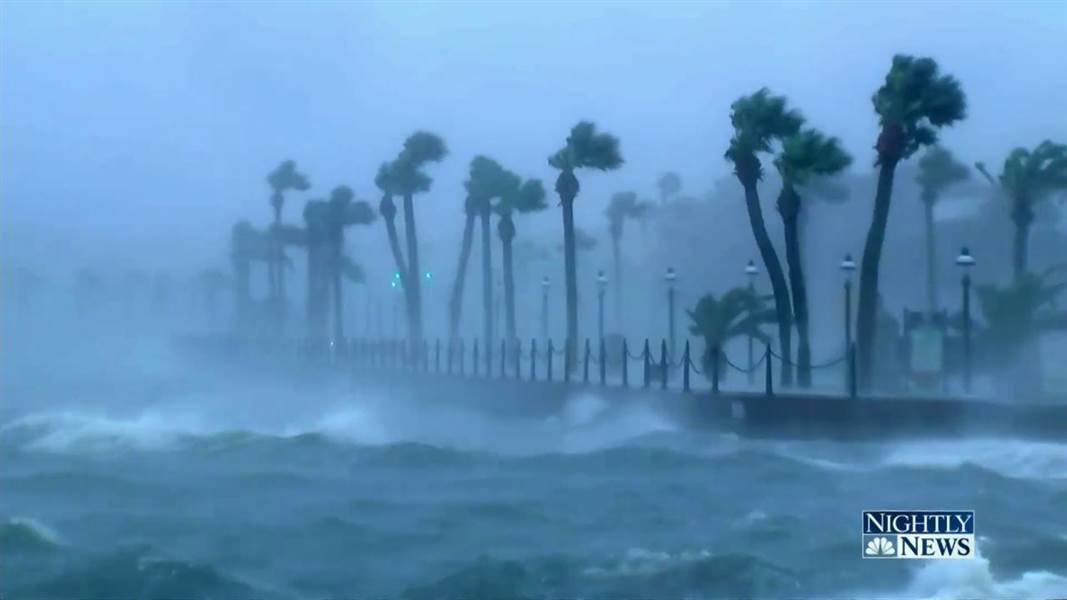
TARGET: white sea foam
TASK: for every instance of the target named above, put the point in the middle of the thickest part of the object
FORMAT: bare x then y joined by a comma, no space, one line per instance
1012,458
950,579
69,431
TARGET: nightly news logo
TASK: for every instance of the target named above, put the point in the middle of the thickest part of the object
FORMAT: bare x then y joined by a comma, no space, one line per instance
918,534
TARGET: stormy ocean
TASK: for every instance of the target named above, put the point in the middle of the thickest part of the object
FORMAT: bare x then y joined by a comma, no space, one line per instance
135,474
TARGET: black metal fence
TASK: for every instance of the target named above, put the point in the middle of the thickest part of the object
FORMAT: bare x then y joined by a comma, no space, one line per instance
545,361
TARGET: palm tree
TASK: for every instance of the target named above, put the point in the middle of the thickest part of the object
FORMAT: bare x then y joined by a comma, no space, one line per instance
404,177
316,225
806,154
938,170
739,312
342,212
758,121
1028,178
283,178
585,148
485,183
669,184
625,205
912,104
522,197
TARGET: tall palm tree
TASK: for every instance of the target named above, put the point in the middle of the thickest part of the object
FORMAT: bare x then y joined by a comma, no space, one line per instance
624,205
739,312
455,303
521,197
484,184
806,154
342,212
283,178
915,100
404,177
1028,178
669,184
585,148
316,225
938,170
758,121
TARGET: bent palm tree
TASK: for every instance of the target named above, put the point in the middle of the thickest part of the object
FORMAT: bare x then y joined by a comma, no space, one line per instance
912,104
484,184
758,121
938,170
283,178
522,197
804,155
738,312
341,213
1028,178
625,205
585,149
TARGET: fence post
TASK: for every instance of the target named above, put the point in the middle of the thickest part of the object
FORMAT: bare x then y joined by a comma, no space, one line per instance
852,370
533,359
567,359
551,351
645,356
603,364
625,364
716,361
663,364
503,358
475,357
769,384
685,371
585,367
462,357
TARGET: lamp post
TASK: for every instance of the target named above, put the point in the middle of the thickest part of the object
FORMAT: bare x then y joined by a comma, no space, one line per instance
670,277
601,286
545,284
848,266
965,261
751,271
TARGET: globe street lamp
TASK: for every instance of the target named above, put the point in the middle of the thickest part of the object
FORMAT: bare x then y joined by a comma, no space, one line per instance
751,271
670,277
848,266
545,284
965,261
601,286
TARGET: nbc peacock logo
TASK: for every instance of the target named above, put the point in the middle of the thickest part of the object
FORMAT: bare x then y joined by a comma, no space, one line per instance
880,547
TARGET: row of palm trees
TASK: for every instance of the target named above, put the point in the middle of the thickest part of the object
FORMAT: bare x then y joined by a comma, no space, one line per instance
913,103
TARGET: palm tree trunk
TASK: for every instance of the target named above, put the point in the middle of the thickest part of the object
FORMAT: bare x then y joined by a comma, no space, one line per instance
777,276
931,256
509,290
414,279
867,311
338,298
455,304
1020,247
571,265
616,254
487,279
388,212
791,223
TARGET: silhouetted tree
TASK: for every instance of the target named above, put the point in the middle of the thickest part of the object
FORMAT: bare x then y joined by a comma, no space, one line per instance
283,178
522,197
913,102
342,212
624,205
1028,178
317,246
669,184
484,184
758,121
805,154
938,170
585,148
737,313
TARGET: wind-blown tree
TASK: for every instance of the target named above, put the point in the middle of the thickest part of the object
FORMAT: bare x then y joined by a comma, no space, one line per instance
283,178
624,205
316,244
342,212
484,183
1028,178
915,100
738,312
522,197
938,170
585,149
404,177
669,184
804,155
758,121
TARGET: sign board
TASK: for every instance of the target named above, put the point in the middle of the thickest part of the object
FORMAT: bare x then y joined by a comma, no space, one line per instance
927,350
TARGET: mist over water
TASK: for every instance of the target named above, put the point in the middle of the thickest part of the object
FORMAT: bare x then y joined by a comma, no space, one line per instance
135,135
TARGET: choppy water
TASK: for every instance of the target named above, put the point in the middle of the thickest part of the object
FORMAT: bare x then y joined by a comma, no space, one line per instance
240,486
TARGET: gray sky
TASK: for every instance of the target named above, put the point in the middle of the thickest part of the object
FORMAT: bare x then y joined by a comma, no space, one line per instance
148,128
